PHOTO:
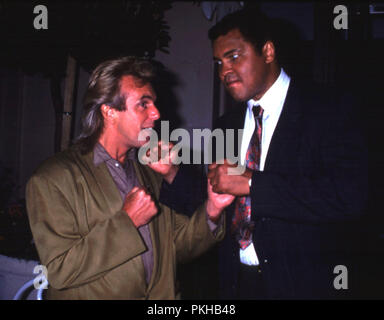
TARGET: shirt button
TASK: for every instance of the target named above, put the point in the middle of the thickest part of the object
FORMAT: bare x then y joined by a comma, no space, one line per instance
116,164
265,261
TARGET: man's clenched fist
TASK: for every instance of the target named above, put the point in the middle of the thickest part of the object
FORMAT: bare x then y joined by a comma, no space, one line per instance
139,206
224,182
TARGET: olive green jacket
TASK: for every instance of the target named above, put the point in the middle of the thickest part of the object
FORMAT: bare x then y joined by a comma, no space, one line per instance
90,246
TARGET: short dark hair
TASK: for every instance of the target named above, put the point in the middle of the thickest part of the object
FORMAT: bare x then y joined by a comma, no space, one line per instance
104,88
255,27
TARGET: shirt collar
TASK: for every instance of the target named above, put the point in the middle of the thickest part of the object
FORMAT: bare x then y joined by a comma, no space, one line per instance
274,96
101,155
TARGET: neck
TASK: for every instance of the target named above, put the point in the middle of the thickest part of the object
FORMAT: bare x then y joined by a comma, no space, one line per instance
111,145
273,75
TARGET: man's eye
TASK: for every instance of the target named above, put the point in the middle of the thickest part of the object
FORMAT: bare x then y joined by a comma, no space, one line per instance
218,62
234,56
143,105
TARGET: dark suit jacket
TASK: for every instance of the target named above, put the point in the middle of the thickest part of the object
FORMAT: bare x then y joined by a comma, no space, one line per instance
305,202
312,188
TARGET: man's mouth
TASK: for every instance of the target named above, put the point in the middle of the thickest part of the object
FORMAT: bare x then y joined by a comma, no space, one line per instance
231,84
231,80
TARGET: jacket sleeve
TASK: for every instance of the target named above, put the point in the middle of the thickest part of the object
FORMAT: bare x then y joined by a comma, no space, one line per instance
74,256
192,236
187,192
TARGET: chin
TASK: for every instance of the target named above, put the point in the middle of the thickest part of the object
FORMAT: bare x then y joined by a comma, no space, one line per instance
239,98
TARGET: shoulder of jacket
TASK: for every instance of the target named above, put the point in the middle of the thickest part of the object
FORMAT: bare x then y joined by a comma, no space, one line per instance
60,165
322,99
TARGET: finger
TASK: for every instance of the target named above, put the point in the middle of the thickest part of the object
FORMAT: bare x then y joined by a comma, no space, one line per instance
222,170
133,190
153,208
147,199
228,163
212,186
165,154
215,189
212,166
156,153
211,174
152,154
209,186
163,145
149,209
141,193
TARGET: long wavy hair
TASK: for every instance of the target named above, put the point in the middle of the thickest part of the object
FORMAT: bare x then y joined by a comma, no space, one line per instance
104,88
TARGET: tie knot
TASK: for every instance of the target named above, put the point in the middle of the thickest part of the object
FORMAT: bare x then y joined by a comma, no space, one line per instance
257,111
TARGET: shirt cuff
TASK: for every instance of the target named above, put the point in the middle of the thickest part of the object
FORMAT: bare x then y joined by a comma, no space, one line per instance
214,226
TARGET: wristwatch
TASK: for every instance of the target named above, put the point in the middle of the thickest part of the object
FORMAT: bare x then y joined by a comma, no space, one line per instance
250,182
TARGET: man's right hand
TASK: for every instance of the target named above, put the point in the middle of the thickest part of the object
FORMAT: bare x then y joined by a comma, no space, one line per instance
222,181
139,206
164,157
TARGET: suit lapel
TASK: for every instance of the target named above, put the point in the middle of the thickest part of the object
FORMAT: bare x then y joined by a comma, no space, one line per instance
148,181
285,139
104,188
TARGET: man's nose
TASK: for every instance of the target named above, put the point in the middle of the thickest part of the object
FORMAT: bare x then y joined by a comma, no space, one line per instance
224,69
154,113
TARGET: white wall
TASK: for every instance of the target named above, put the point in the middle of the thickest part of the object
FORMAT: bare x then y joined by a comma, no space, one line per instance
190,58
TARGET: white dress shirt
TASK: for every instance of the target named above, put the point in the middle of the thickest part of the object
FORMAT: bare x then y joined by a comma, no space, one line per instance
272,103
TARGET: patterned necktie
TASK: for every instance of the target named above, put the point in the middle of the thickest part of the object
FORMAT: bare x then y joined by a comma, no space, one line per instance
242,226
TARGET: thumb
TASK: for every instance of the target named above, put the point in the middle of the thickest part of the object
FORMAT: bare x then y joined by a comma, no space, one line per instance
209,187
134,189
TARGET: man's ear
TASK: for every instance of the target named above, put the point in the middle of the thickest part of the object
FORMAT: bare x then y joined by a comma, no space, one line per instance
269,52
109,114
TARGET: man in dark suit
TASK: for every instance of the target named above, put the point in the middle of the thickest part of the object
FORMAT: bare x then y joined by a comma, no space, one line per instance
308,182
304,186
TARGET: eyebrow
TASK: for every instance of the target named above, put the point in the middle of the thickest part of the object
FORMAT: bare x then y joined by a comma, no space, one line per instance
226,54
149,97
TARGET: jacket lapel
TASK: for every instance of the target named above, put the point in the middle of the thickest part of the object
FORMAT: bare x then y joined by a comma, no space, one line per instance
148,181
104,188
285,139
